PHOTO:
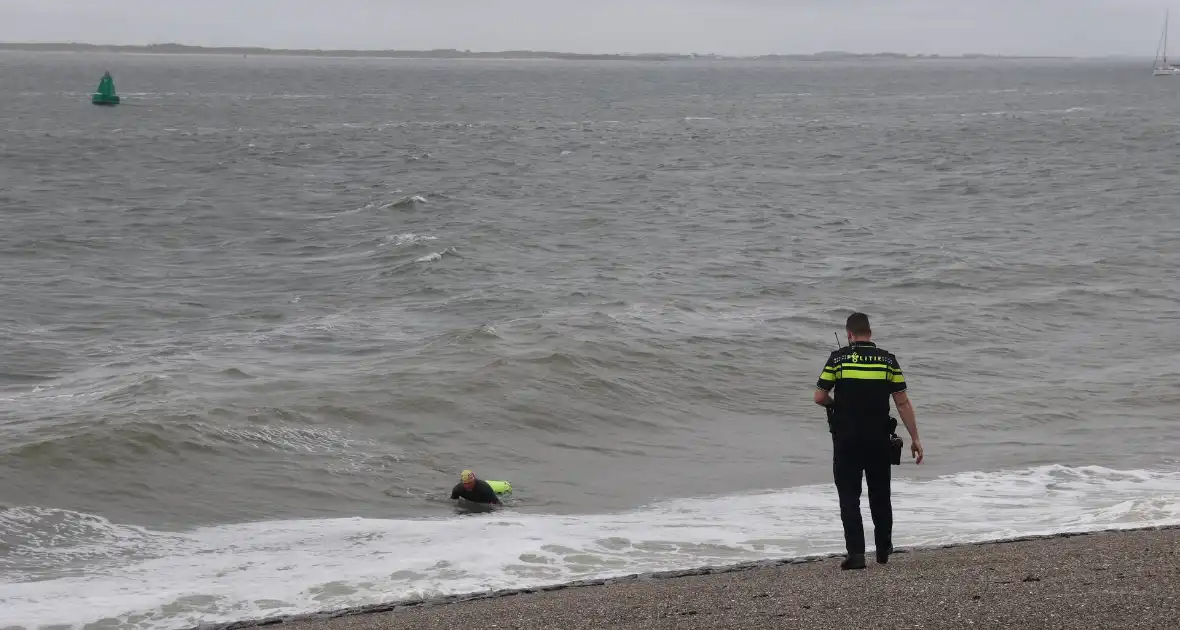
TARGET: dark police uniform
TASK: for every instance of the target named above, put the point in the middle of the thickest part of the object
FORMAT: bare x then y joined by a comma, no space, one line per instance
864,377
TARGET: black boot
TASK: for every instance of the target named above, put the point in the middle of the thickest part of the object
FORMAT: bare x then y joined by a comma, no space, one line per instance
883,554
853,561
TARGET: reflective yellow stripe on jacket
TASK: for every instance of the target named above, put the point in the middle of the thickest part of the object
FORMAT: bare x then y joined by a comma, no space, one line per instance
863,372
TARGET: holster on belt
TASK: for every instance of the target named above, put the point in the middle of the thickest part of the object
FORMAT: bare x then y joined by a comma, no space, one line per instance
895,443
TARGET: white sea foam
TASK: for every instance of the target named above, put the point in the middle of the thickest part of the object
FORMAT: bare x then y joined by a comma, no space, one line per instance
231,572
434,256
409,238
410,200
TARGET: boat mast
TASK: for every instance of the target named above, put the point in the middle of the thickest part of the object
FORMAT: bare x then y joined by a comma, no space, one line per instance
1161,47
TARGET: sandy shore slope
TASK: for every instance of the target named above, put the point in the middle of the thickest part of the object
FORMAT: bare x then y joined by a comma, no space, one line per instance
1122,579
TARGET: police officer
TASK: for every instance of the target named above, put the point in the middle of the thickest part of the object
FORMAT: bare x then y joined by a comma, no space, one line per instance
864,377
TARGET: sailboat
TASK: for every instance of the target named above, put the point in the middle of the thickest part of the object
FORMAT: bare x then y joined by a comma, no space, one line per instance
1161,66
105,95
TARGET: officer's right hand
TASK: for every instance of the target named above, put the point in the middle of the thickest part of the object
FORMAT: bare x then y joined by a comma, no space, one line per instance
916,450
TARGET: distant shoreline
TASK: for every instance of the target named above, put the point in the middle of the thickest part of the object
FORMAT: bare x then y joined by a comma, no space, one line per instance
447,53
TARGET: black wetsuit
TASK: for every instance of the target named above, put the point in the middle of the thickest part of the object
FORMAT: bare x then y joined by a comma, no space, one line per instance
864,377
481,493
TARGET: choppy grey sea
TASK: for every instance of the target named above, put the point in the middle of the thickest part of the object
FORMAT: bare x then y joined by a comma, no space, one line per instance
255,320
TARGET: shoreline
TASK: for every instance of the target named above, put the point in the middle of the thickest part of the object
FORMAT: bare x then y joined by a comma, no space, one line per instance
374,613
448,53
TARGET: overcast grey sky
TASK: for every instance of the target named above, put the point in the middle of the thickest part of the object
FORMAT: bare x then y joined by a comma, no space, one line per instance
1034,27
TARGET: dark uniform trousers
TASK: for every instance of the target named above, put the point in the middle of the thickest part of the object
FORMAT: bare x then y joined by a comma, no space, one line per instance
852,458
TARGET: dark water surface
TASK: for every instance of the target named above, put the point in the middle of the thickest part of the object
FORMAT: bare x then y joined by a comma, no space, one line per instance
268,296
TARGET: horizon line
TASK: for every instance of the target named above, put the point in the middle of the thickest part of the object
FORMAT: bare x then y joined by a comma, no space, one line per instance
177,48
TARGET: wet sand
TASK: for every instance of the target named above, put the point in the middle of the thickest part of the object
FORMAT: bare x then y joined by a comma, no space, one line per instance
1123,579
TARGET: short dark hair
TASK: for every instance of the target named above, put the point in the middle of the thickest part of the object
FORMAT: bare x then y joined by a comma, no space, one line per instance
858,324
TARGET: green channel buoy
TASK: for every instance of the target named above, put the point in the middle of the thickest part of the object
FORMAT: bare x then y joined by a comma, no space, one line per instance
105,95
